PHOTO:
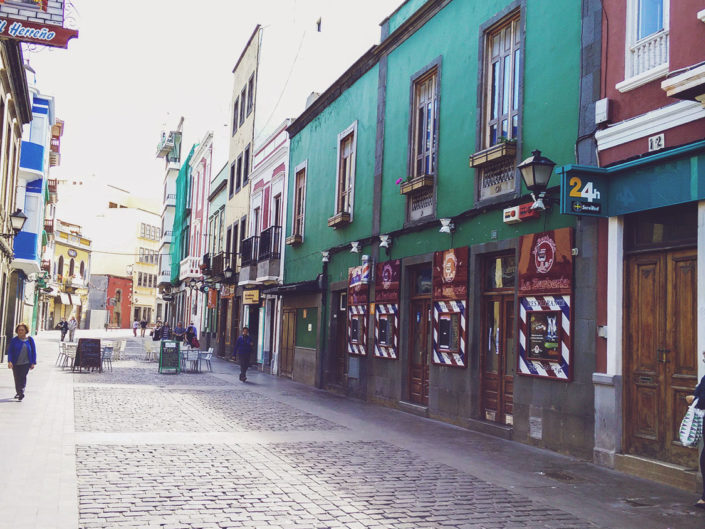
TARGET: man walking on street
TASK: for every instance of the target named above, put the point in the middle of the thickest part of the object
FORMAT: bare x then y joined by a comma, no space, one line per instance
72,328
143,326
243,348
64,328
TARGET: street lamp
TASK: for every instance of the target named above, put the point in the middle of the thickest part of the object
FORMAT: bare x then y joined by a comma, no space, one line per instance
17,220
228,273
536,172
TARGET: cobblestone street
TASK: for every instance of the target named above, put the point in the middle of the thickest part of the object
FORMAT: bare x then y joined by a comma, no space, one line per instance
188,451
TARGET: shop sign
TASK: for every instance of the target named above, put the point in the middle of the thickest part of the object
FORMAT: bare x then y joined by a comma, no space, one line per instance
212,298
19,21
227,291
546,262
583,195
450,274
387,281
358,284
250,297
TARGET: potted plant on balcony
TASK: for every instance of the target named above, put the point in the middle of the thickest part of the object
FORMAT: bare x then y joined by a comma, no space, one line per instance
411,184
504,148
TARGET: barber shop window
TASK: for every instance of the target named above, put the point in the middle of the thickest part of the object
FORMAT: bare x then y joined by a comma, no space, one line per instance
355,329
385,330
449,332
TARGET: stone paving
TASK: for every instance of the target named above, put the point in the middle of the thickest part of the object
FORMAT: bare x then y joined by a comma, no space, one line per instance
135,449
299,485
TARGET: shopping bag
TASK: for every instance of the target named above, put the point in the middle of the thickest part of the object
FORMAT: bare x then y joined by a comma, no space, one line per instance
691,430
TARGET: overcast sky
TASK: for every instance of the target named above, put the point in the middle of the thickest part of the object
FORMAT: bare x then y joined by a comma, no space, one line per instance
138,65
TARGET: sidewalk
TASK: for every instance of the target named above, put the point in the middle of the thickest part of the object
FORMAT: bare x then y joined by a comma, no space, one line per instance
307,458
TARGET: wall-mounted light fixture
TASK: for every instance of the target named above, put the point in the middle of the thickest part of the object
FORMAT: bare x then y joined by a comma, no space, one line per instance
325,257
536,172
17,220
447,226
355,247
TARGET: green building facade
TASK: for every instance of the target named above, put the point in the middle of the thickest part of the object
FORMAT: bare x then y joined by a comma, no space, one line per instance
456,325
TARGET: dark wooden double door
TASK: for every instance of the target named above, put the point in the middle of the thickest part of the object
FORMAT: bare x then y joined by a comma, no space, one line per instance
660,356
288,343
498,358
420,333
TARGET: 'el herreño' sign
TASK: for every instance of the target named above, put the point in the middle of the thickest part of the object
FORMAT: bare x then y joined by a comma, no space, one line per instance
546,263
36,21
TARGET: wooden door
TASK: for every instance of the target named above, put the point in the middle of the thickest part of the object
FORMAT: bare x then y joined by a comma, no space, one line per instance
286,361
498,358
419,350
660,351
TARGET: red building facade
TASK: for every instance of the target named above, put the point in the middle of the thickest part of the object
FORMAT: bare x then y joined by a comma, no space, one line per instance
647,195
119,297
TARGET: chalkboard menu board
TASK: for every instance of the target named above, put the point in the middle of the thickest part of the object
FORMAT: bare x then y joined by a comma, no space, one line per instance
88,354
170,356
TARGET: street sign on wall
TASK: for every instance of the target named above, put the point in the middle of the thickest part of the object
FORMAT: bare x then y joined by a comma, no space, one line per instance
35,21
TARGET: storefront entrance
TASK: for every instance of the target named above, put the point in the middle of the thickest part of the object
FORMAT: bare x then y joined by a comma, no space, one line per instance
660,351
660,330
340,368
420,332
498,339
286,359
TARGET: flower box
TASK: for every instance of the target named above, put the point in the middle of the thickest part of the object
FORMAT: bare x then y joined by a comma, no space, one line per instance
500,151
293,240
339,220
416,183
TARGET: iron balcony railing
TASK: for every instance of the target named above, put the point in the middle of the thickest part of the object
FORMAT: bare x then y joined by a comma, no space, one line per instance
270,243
248,251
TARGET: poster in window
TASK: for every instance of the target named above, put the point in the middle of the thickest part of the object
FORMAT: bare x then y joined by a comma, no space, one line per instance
355,329
449,331
546,263
450,274
544,336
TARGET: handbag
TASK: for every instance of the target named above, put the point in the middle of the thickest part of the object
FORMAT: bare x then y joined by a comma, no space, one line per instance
691,430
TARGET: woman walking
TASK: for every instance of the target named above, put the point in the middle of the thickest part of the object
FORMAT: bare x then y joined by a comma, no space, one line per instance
699,393
21,357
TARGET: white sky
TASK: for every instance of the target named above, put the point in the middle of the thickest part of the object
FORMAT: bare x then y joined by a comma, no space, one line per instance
138,65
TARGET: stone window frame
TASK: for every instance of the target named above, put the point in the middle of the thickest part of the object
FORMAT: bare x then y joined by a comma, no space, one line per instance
485,28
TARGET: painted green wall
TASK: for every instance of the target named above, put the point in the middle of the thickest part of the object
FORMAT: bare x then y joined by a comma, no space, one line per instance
403,13
304,336
317,144
549,121
182,182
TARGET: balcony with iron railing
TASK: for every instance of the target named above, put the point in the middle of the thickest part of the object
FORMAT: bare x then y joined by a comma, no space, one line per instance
170,200
165,145
164,277
49,225
269,257
248,259
167,236
189,268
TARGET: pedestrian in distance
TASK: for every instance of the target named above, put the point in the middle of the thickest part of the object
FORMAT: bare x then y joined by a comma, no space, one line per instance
179,332
699,393
135,324
143,326
72,325
64,328
157,332
243,348
165,332
21,357
192,335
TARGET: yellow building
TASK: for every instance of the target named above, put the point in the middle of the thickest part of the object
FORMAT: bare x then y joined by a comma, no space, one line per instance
69,278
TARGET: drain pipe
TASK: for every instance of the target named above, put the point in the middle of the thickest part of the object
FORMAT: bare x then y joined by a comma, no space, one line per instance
323,323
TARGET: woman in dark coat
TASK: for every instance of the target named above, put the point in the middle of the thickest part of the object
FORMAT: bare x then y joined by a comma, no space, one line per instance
699,393
21,357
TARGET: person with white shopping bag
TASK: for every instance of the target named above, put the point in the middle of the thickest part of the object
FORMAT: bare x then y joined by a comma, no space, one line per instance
699,394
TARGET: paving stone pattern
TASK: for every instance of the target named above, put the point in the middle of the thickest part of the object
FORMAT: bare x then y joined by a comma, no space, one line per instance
294,485
145,373
110,409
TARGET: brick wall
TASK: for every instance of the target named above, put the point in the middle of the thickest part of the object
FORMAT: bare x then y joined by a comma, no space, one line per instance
19,10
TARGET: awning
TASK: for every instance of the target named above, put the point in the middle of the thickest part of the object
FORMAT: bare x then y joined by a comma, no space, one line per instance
75,299
294,288
65,300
